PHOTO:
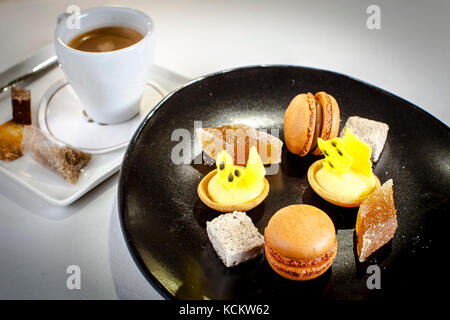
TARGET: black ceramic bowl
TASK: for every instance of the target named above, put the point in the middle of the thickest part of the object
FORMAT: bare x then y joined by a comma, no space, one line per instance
164,221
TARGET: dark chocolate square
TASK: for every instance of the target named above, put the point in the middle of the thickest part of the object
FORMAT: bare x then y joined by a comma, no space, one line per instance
21,105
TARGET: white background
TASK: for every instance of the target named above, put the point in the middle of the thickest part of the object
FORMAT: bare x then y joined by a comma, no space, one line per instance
409,57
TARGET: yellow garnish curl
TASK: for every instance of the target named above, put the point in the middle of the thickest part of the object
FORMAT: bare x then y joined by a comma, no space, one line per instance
350,153
231,176
360,152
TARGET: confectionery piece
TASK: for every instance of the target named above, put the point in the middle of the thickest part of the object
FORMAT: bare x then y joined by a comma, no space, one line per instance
336,159
300,123
347,153
66,161
345,176
234,238
300,242
230,187
374,133
237,140
10,140
11,131
377,221
330,119
21,105
307,118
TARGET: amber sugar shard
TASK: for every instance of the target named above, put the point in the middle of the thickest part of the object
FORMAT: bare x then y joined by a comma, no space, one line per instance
237,140
377,221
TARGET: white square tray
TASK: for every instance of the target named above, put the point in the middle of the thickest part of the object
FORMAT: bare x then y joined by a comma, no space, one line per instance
43,182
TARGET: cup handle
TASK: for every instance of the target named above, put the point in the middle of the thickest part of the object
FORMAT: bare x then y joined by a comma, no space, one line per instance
72,17
61,17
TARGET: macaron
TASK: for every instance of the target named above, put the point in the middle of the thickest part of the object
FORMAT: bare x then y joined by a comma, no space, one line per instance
300,242
330,119
309,117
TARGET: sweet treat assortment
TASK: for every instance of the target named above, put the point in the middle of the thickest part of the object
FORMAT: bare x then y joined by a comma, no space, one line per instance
299,240
19,137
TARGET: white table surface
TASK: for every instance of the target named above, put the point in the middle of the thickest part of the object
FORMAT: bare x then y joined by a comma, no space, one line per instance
409,56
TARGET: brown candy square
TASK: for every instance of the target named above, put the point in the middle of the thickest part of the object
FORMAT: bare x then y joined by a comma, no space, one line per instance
21,105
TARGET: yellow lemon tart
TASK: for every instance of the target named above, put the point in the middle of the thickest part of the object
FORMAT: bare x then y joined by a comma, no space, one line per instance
345,176
230,187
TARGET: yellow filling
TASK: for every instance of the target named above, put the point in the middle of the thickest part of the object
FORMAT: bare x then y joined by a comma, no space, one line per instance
349,185
237,195
233,185
347,169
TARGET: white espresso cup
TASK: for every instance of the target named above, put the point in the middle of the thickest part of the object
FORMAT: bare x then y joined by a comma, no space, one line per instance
109,84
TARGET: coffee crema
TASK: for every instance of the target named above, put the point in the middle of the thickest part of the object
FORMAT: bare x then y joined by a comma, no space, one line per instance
106,39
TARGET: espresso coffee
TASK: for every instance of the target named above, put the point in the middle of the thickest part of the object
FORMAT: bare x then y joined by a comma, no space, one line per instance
106,39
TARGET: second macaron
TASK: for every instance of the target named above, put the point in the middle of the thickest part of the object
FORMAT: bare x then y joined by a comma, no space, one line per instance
309,117
300,242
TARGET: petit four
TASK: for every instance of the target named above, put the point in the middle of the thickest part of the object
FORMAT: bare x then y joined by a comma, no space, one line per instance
234,238
10,140
300,242
373,133
376,222
345,176
237,140
230,187
11,131
65,161
307,118
21,105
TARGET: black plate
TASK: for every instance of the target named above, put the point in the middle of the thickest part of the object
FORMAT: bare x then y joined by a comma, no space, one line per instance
164,220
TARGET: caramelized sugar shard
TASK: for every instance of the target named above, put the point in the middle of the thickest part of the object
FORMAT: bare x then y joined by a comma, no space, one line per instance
376,222
10,140
237,140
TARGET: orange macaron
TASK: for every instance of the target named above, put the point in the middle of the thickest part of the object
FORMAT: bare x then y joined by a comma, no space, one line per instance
300,242
309,117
